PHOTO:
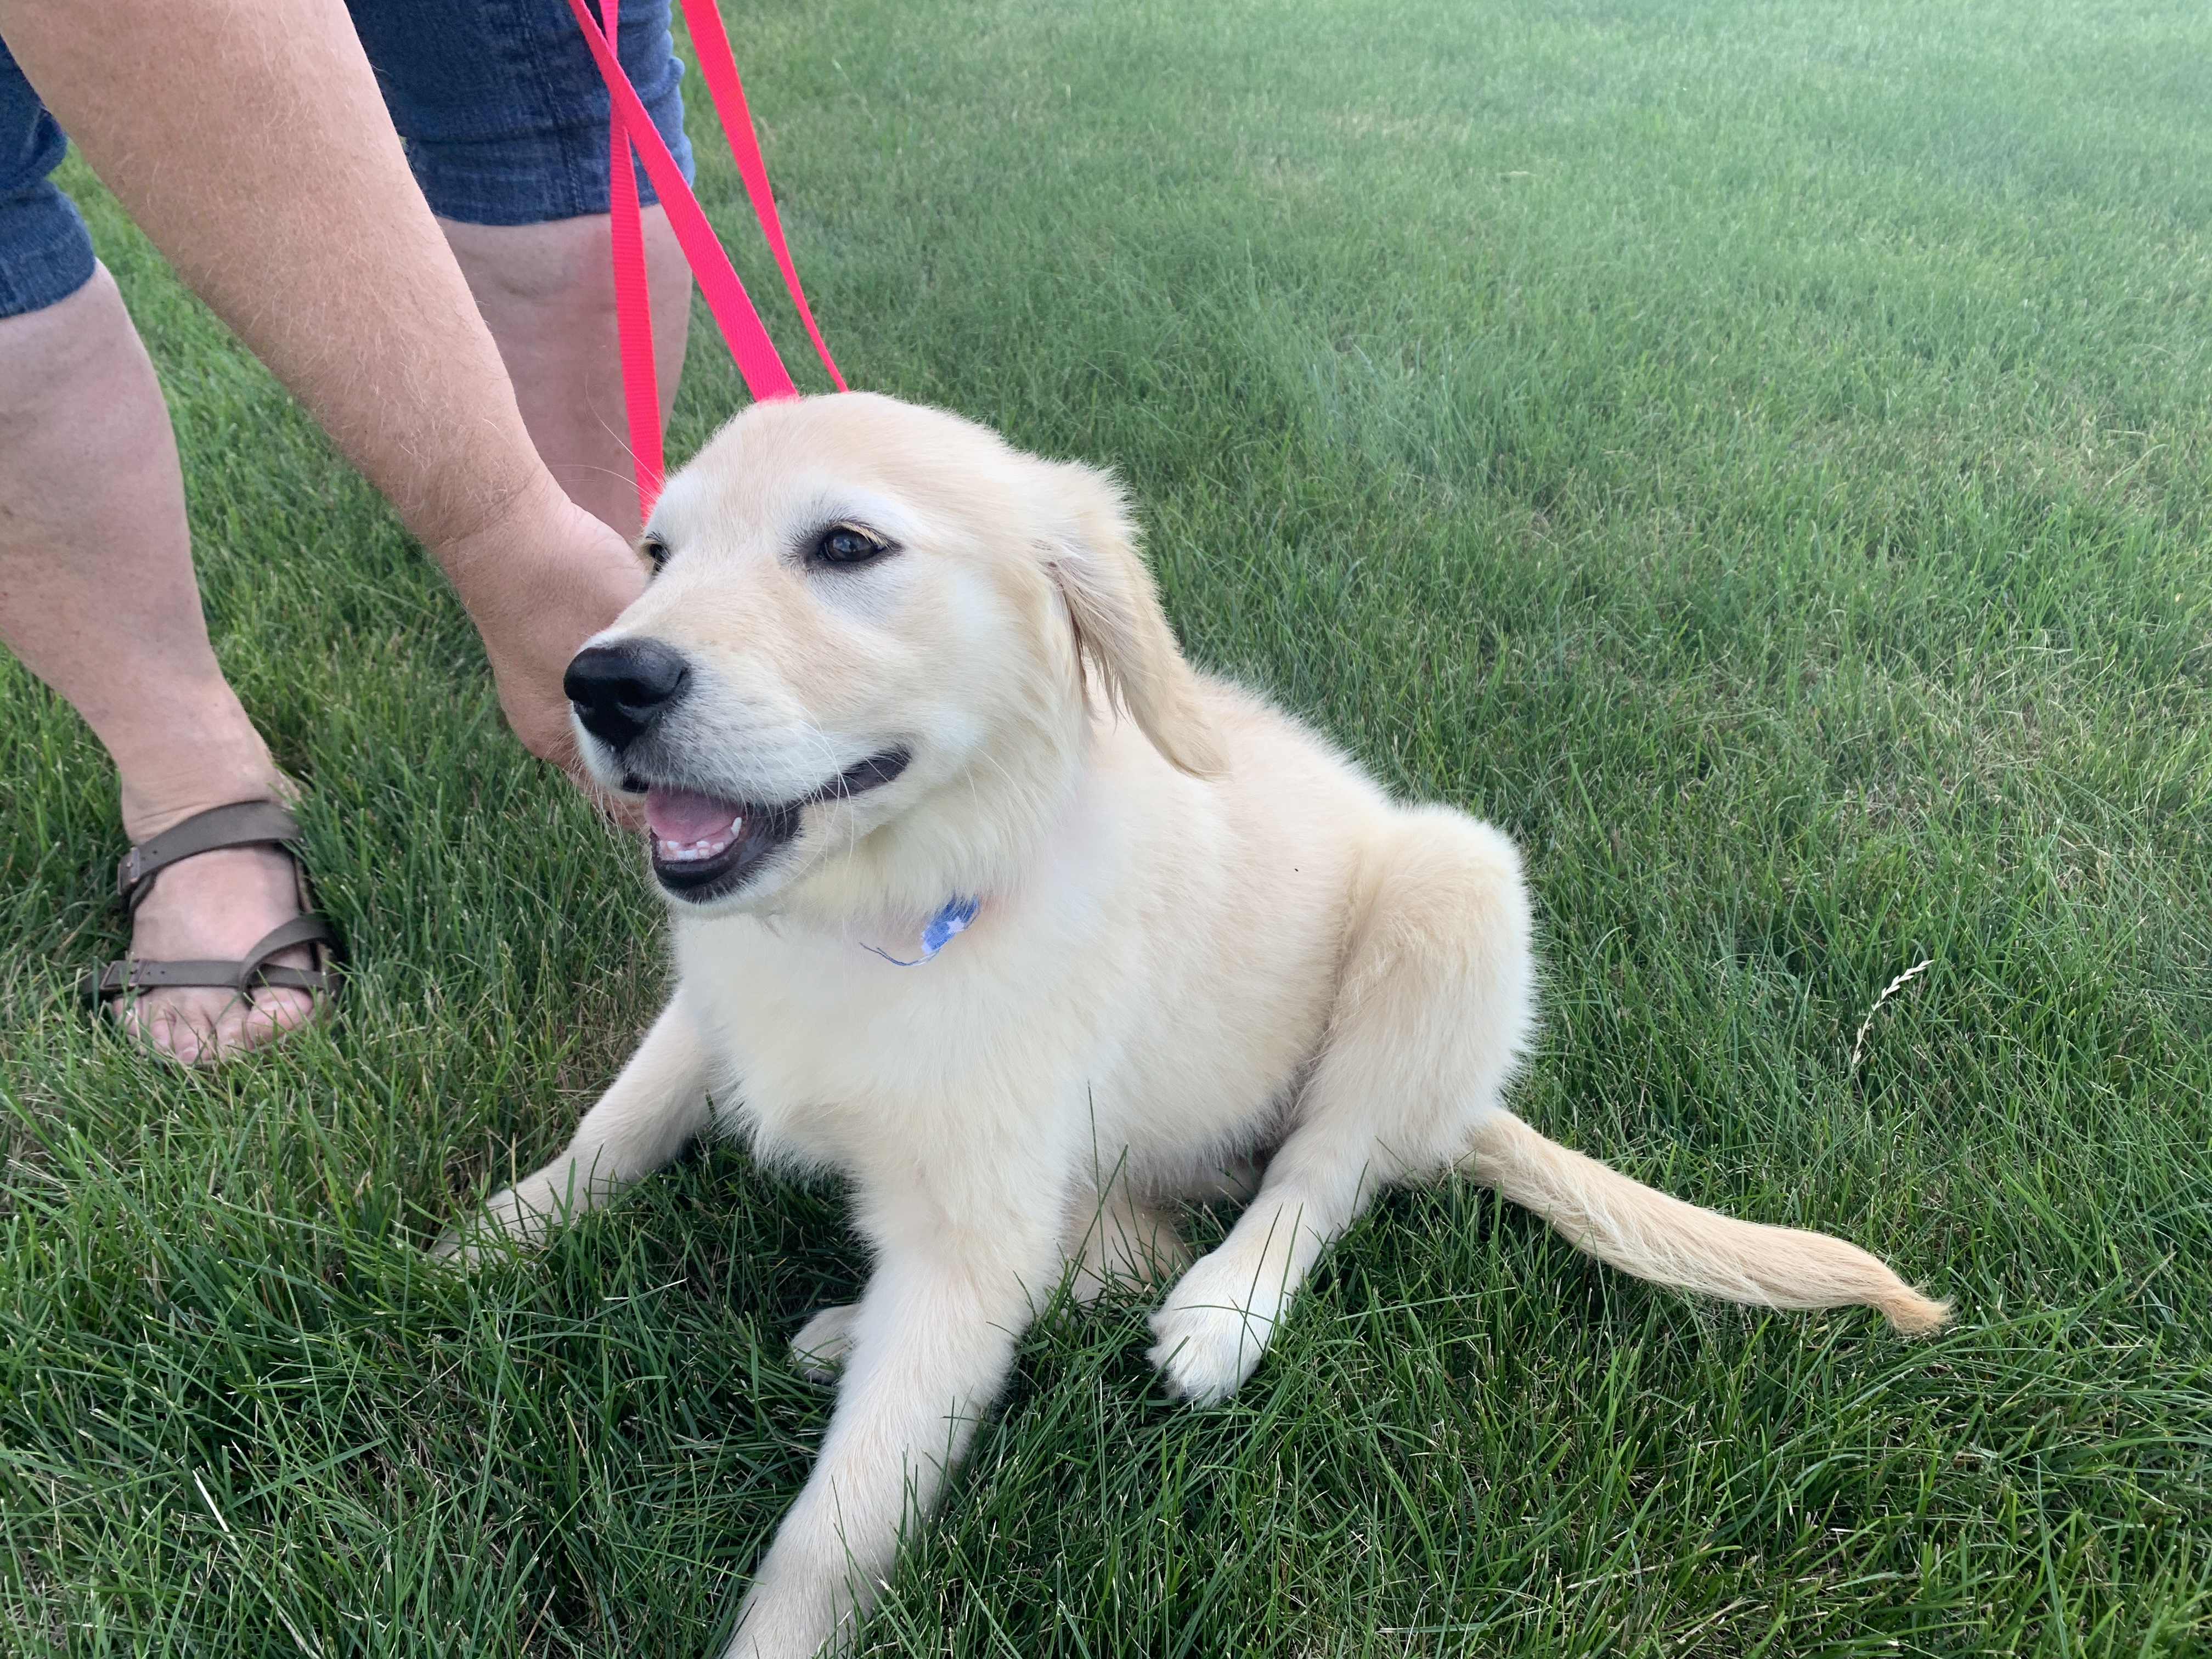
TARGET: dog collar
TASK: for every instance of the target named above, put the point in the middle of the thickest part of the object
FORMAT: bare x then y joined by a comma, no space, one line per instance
952,918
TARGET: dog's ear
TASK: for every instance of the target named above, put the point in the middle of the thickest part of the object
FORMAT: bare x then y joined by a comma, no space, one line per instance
1122,635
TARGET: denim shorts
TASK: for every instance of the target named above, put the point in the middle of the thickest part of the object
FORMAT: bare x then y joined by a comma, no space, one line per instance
499,104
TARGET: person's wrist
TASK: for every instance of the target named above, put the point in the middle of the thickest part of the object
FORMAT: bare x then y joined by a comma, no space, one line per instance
505,555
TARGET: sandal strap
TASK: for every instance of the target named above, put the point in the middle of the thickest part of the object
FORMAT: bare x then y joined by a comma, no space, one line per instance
119,978
306,928
241,823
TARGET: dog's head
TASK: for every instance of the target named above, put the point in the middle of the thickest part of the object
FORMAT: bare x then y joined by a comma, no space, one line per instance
859,675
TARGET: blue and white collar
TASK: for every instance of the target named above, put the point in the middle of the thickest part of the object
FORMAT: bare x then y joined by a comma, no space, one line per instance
953,917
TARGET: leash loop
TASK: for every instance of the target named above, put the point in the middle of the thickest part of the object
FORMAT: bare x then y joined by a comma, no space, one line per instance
719,65
630,127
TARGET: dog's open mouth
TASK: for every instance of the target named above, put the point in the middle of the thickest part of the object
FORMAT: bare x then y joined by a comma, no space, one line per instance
706,846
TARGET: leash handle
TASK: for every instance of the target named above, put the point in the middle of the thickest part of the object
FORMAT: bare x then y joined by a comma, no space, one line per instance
632,303
629,126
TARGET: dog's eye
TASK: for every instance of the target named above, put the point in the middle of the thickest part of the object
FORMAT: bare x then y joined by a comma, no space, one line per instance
844,546
655,551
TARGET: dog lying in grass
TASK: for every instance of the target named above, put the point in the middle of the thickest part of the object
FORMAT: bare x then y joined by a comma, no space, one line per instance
985,899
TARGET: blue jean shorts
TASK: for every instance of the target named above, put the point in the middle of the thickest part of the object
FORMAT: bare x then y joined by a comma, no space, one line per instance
498,102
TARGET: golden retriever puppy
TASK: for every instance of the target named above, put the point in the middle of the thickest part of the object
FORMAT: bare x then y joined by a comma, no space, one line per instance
983,898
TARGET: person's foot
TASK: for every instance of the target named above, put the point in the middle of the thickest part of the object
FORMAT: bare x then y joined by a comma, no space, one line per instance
216,906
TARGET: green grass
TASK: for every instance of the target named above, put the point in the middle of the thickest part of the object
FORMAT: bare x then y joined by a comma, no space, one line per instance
1757,453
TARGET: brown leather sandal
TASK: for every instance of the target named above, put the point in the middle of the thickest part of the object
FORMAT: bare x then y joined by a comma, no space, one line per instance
242,823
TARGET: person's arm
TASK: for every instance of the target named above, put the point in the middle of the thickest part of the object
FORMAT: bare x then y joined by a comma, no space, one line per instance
248,140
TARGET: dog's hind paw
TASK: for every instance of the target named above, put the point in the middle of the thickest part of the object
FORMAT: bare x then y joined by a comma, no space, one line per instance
818,1351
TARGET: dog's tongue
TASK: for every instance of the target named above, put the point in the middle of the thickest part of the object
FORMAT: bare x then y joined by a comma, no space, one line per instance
679,817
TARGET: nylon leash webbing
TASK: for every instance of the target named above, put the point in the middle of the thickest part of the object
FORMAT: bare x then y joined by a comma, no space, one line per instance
633,302
631,127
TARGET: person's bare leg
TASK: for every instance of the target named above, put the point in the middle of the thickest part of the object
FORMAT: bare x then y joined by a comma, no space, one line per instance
547,291
250,142
97,597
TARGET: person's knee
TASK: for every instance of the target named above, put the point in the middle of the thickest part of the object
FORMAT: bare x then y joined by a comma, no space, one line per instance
561,264
44,352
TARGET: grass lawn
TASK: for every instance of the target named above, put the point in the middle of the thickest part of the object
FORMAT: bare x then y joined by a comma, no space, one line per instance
1757,453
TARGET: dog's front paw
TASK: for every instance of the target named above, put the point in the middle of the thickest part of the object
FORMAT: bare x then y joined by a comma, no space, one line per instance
1212,1333
790,1615
507,1219
819,1349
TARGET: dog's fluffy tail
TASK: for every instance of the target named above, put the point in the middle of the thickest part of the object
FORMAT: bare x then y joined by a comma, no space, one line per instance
1644,1232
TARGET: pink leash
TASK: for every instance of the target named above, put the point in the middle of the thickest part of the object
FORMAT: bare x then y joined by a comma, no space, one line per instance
628,126
633,307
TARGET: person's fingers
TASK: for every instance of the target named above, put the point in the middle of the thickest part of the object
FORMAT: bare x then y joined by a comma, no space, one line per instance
541,723
537,585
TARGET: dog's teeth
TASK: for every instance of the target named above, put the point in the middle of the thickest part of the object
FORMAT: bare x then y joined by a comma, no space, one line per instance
690,852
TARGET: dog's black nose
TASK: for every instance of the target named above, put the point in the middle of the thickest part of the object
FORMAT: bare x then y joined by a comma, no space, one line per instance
620,690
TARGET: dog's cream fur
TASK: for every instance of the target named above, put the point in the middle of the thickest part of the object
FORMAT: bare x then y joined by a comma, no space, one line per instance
1208,948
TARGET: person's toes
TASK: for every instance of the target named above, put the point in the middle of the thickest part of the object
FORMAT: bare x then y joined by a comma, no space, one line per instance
229,1037
167,1027
290,1010
274,1010
207,1027
202,1026
249,1027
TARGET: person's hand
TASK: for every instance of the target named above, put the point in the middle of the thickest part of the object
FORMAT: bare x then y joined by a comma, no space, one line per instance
537,582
